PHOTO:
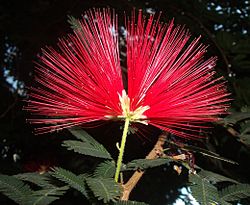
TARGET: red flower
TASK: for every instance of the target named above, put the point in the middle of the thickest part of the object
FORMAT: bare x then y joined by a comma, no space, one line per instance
170,84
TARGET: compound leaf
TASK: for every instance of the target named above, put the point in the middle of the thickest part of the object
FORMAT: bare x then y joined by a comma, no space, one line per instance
105,169
105,189
235,192
146,163
14,188
71,179
87,146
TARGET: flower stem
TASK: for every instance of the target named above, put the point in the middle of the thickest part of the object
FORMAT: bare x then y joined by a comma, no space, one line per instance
121,149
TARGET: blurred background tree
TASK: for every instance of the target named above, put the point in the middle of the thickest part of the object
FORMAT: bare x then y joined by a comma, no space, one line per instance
27,26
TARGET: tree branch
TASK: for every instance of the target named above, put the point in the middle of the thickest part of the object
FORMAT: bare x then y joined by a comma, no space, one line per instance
153,154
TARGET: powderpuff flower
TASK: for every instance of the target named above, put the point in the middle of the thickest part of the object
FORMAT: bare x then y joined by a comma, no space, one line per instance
170,85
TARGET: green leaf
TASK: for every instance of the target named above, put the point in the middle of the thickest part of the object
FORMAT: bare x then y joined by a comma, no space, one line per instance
105,189
242,118
75,24
146,163
105,169
45,196
82,135
14,188
129,203
236,117
203,191
245,128
74,181
214,177
235,192
87,146
245,139
35,178
86,149
244,136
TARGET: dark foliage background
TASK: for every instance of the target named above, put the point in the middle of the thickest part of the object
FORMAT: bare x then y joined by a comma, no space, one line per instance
27,26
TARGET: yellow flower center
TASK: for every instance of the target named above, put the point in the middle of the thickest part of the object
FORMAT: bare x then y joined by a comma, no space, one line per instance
133,116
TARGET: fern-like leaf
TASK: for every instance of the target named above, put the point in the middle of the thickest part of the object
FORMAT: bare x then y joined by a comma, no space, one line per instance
236,117
203,191
87,146
105,189
214,177
235,192
74,181
105,169
14,188
41,180
146,163
86,149
82,135
45,196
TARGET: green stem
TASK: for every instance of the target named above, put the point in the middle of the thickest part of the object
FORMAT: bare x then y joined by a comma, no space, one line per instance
121,149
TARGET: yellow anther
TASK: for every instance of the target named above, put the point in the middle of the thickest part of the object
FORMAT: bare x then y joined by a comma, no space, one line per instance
134,116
